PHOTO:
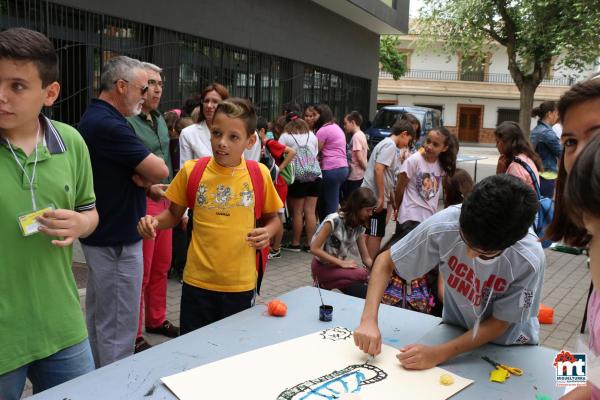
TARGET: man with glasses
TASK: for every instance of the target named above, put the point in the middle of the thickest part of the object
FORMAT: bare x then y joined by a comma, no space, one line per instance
150,126
124,169
492,264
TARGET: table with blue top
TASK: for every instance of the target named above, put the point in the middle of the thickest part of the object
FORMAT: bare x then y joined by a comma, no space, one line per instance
536,362
138,376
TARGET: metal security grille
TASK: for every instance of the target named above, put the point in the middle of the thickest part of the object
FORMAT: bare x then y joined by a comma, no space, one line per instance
85,41
507,114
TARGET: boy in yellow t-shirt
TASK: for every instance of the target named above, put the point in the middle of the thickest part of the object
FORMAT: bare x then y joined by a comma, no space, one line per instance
219,278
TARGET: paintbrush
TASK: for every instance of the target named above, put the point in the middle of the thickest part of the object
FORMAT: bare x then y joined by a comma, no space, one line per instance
320,295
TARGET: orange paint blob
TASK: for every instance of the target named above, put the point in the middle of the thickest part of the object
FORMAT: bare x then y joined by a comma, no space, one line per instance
277,308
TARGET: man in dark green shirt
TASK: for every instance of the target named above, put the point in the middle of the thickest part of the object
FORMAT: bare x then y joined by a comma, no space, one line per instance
151,128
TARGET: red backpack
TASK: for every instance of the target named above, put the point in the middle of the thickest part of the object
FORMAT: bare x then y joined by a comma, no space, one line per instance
259,200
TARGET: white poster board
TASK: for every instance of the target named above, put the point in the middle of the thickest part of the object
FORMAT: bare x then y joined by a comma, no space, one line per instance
320,366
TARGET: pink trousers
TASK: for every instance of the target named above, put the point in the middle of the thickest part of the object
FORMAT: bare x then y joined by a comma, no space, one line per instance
334,277
157,261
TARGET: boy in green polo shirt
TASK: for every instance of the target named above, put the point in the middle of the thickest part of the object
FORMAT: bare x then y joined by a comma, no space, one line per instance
48,201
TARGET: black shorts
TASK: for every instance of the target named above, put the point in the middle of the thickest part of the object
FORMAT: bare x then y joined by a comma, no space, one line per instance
403,229
377,224
303,189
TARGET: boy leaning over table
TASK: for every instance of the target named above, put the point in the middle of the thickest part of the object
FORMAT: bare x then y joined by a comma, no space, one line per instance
492,264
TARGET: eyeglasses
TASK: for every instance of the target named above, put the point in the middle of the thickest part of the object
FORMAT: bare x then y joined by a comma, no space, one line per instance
154,82
143,89
482,253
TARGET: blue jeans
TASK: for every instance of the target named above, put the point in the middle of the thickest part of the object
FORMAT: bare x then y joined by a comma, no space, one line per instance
48,372
330,191
547,187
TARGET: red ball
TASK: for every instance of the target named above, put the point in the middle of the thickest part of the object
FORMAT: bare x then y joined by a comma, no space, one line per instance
277,308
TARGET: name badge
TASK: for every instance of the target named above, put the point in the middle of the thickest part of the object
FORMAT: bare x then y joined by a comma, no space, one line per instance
28,223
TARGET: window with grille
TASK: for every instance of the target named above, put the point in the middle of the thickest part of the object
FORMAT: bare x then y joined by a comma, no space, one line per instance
507,114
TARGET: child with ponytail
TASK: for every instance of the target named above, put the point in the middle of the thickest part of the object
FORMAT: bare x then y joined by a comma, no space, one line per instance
337,236
420,179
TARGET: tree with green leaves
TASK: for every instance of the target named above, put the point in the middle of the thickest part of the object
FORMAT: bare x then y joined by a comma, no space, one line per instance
390,58
532,31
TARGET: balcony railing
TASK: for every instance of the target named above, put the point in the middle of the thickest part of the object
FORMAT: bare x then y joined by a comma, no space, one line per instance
432,75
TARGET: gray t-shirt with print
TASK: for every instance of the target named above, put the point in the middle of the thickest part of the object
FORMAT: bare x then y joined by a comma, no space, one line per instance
383,153
341,243
508,286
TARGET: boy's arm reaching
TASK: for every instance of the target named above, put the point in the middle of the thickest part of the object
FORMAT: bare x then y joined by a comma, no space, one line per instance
380,185
148,225
420,356
367,336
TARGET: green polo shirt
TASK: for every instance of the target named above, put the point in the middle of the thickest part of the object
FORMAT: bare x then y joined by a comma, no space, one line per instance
40,312
155,136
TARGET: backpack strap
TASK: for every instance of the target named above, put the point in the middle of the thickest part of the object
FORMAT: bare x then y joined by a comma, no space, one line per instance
527,168
538,218
262,256
194,180
257,186
297,144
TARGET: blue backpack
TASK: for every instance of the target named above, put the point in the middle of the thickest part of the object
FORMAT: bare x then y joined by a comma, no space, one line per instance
545,212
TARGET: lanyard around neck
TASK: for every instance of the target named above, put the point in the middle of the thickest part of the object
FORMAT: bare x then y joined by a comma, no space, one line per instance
22,166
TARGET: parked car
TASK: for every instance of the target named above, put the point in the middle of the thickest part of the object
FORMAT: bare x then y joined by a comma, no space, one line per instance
386,116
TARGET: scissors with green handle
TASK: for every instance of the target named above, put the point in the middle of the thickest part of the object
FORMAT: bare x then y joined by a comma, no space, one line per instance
512,370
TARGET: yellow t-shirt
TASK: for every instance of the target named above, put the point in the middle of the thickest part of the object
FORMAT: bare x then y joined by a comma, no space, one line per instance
219,257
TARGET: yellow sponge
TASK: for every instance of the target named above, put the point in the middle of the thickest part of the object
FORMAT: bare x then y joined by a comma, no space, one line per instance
446,379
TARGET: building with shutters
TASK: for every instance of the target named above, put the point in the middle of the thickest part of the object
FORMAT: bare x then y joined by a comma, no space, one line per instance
473,98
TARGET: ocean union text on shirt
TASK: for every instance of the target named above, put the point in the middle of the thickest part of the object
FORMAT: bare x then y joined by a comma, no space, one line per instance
465,282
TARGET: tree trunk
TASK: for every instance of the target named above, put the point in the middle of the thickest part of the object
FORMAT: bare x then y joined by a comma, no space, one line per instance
526,105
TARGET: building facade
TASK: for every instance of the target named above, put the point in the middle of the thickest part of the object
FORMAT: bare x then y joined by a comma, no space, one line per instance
270,51
473,98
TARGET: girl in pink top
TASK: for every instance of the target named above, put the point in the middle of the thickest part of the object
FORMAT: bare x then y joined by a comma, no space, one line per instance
358,147
334,164
511,143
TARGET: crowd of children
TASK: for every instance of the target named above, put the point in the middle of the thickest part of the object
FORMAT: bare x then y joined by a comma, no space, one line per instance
236,178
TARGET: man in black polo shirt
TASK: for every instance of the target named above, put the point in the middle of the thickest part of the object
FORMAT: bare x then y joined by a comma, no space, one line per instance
123,167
